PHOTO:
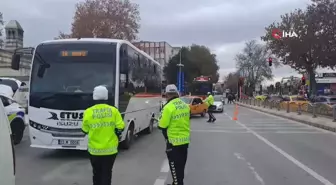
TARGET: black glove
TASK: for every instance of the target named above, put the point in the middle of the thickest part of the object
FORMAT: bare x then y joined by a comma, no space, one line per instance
118,132
169,146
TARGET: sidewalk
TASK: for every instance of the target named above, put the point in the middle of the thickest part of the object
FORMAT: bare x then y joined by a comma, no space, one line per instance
320,122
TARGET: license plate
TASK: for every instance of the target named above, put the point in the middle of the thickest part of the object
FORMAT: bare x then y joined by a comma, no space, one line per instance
68,142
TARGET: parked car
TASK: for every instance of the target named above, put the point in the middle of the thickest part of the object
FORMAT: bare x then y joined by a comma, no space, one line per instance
219,103
329,100
197,106
7,155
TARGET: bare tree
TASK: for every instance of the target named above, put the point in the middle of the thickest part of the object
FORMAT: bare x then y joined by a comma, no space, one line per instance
117,19
1,30
253,66
231,82
63,35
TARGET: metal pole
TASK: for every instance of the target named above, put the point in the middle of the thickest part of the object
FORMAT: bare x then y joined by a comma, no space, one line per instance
180,65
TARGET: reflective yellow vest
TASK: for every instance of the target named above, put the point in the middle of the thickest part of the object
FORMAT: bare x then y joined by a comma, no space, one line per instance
209,100
175,117
100,122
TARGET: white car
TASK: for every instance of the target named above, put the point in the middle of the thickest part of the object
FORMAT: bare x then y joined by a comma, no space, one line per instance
19,89
219,103
7,155
15,113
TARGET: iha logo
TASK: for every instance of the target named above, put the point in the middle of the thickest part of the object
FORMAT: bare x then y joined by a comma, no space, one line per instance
278,34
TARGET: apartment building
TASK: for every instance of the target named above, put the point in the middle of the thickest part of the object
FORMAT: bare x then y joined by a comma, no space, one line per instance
159,51
176,50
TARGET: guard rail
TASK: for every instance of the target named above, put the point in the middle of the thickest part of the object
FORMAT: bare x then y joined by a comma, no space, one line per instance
313,109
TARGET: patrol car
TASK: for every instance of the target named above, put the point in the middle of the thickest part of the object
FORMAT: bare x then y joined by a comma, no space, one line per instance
7,155
15,113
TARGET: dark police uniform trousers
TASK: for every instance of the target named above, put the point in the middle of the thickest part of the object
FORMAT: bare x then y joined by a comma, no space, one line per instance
102,168
177,157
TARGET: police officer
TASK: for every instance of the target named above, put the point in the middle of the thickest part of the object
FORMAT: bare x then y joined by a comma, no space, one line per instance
210,101
175,126
103,124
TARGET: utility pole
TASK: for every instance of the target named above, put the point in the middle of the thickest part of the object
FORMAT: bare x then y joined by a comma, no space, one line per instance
180,65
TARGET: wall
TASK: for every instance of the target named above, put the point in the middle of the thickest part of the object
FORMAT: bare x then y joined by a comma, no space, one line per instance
5,66
169,53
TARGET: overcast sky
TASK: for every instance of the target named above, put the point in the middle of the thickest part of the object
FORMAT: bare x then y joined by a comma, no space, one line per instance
223,25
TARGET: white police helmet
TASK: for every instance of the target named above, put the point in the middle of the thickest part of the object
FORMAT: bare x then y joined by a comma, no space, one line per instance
171,88
100,93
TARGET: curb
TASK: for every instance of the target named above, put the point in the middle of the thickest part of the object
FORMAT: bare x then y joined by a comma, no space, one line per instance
325,127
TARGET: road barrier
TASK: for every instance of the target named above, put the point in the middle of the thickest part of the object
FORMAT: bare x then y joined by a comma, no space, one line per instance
313,109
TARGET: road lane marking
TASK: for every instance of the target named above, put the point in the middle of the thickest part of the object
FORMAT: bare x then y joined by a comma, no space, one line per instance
164,172
165,166
249,165
160,182
289,157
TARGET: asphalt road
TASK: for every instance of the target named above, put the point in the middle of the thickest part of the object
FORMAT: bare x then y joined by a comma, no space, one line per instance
139,166
258,149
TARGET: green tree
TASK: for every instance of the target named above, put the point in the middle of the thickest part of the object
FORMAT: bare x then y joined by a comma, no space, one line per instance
316,42
252,64
197,61
1,30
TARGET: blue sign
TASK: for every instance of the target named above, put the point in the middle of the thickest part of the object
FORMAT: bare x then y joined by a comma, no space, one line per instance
182,81
178,81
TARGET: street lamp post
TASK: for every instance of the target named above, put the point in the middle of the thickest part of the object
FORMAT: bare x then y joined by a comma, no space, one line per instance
180,78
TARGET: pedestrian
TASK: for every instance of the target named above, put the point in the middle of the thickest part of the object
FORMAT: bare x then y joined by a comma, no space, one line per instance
210,101
230,98
103,124
175,125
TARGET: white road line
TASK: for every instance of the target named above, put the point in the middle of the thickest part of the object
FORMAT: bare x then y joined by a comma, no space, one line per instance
165,166
160,182
289,157
164,173
249,165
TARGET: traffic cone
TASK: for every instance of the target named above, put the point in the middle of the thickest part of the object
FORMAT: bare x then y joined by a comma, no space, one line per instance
235,113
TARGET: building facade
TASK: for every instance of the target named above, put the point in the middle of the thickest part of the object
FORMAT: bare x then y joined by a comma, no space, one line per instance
14,40
159,51
176,50
326,83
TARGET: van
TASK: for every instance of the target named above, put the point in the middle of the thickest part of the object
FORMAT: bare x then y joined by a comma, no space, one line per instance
7,155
